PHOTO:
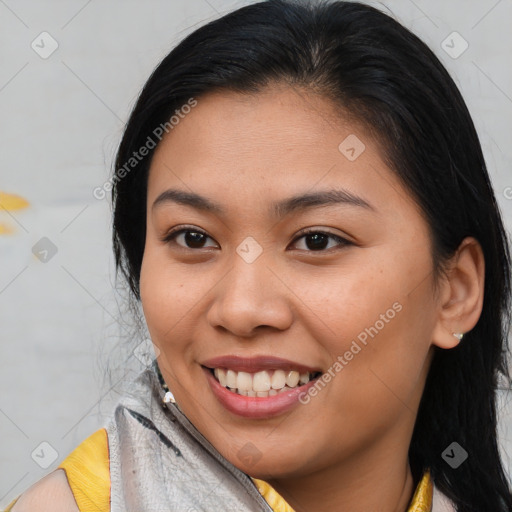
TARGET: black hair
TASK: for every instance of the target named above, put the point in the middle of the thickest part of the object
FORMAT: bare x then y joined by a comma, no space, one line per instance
384,76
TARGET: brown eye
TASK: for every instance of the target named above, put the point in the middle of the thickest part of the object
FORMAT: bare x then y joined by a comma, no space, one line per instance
317,241
190,238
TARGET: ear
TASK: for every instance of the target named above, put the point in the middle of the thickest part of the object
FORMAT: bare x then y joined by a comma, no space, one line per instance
461,295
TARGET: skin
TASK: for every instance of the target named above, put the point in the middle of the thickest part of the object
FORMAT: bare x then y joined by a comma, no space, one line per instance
51,493
347,448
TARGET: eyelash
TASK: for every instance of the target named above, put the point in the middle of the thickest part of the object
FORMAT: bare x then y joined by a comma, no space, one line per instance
169,237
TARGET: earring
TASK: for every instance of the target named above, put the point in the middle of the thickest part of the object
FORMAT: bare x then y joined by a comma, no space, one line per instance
459,335
169,398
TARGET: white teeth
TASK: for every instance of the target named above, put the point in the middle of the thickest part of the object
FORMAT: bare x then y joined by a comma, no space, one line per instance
231,379
292,379
244,381
278,379
220,373
261,381
304,378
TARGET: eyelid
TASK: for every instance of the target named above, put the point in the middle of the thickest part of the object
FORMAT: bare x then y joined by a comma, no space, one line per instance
342,241
174,232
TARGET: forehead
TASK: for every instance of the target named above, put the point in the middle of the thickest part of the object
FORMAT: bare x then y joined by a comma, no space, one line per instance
281,141
275,120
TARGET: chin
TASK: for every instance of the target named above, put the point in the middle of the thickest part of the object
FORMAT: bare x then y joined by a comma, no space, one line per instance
271,469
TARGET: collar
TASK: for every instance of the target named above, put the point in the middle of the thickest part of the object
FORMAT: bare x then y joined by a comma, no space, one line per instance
421,500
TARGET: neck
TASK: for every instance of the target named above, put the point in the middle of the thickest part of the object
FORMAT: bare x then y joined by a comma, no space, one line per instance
376,477
382,482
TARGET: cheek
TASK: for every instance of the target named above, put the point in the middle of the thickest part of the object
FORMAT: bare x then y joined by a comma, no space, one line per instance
162,311
160,296
171,297
352,304
376,324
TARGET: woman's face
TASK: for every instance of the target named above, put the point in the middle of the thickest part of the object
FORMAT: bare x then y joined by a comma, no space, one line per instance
244,294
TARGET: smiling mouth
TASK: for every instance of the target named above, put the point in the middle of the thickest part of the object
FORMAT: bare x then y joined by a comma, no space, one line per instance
261,384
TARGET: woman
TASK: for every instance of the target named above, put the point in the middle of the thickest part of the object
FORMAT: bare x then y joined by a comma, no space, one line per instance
302,208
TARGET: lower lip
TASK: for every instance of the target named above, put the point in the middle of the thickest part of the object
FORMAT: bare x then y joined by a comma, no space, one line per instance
256,407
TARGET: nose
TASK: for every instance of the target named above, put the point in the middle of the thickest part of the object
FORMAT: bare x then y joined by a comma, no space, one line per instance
251,296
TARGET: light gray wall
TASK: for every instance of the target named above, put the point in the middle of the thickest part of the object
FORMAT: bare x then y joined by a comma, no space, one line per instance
61,119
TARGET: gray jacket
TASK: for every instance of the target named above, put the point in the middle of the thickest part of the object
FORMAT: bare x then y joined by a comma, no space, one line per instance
159,462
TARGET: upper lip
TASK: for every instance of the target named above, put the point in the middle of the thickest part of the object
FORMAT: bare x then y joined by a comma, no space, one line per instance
256,364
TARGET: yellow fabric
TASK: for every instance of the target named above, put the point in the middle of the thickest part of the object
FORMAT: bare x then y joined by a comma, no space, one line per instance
88,472
87,469
421,501
276,502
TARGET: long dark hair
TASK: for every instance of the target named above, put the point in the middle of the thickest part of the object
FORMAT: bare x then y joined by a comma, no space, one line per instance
385,77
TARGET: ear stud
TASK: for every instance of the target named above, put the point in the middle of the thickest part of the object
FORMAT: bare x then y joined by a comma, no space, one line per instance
459,335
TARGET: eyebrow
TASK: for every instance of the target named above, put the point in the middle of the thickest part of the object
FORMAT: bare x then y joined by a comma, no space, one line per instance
278,209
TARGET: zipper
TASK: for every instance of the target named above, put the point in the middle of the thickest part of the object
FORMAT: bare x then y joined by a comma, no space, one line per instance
178,415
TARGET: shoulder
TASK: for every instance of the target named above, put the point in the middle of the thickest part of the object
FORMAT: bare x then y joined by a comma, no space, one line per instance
50,494
81,482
